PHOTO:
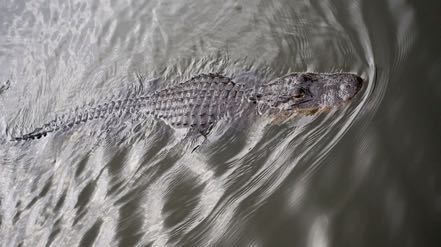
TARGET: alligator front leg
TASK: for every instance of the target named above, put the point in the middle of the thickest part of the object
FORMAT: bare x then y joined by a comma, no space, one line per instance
204,132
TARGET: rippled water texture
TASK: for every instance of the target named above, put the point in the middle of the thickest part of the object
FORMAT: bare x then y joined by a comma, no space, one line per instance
365,174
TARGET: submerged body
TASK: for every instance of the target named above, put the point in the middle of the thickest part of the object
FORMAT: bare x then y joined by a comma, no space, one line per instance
201,101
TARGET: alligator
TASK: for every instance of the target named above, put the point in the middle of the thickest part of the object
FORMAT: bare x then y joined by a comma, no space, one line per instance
203,100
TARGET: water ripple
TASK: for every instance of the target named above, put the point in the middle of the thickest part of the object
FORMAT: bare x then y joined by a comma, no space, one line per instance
128,183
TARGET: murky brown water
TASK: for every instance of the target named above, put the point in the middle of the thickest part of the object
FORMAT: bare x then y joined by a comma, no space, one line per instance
367,174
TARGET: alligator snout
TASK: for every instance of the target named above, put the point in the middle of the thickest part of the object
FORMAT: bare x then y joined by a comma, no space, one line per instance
358,83
350,87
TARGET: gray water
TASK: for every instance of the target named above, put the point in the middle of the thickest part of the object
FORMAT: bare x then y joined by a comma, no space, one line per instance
366,174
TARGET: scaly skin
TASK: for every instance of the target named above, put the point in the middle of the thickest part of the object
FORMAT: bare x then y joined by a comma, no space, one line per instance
201,101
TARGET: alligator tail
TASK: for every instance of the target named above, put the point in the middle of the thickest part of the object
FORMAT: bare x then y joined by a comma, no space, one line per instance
78,116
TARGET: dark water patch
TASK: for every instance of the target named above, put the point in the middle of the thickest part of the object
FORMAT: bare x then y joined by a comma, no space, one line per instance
60,201
52,236
16,216
56,229
91,234
180,203
81,166
182,192
83,200
130,221
116,164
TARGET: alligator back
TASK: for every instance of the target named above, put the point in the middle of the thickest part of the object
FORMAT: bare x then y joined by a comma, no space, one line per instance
197,103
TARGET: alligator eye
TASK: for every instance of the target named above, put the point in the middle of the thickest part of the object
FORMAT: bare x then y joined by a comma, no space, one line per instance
305,77
298,93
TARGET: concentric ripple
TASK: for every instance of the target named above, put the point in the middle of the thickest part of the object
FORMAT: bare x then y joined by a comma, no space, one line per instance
136,182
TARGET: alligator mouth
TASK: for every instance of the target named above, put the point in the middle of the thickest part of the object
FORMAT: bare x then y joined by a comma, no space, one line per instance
299,103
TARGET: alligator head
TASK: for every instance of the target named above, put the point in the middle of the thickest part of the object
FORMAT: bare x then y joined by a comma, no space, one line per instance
308,92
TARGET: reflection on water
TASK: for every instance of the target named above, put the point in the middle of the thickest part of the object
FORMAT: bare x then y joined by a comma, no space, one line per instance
309,181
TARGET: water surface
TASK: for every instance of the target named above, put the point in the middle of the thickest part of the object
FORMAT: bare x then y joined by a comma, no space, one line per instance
365,174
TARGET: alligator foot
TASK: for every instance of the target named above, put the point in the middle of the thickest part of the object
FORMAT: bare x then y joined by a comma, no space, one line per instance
204,132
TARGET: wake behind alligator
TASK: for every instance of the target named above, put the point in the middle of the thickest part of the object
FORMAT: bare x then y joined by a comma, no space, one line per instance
199,103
